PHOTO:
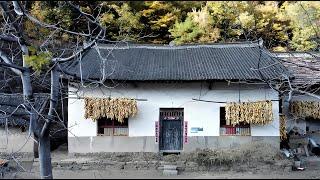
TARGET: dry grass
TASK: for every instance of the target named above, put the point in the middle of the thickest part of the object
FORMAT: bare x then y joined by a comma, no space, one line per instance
253,152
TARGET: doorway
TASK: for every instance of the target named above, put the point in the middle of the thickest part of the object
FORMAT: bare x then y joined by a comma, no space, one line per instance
171,130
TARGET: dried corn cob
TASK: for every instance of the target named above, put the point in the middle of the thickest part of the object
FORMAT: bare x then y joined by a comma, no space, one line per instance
115,109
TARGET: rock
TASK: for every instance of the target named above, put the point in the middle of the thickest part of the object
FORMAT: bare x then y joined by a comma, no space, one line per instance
170,167
201,168
191,164
162,163
74,167
278,164
12,164
153,162
121,165
143,163
109,163
167,172
181,169
287,169
85,167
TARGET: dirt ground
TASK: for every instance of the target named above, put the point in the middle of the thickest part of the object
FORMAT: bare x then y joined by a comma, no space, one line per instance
97,167
155,174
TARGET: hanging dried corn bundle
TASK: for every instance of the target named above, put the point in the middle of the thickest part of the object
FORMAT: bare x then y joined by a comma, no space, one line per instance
242,112
96,113
269,114
305,109
283,131
232,112
88,109
249,112
317,109
228,110
115,109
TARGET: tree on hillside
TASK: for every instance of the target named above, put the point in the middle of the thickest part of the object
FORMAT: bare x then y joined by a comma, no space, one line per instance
144,21
198,27
283,26
304,21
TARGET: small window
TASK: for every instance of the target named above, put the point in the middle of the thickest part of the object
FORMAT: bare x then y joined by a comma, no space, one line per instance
222,116
228,130
108,127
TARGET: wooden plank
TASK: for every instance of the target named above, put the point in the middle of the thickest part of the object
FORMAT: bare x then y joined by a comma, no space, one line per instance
172,135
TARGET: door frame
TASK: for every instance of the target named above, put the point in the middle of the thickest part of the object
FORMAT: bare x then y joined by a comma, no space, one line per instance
160,129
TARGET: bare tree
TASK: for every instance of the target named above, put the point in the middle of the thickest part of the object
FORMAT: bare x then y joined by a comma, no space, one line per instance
13,56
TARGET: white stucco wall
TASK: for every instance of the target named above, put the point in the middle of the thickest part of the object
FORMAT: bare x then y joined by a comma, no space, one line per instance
14,140
172,95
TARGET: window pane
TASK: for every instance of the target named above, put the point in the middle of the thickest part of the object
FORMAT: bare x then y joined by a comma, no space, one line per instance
108,131
120,132
222,116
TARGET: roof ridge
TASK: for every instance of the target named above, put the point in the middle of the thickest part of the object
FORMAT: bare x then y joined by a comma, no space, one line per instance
20,94
126,45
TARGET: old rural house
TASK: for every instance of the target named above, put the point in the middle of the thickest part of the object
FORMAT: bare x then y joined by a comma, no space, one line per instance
14,132
14,124
172,98
302,112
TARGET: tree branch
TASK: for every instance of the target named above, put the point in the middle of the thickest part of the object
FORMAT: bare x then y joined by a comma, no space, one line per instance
80,51
89,17
8,38
16,69
17,8
12,66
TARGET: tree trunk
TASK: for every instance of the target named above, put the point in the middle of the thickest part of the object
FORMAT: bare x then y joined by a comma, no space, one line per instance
45,157
44,140
35,146
35,126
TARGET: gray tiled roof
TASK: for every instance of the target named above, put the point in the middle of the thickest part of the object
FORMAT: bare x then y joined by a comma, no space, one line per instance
190,62
305,67
9,104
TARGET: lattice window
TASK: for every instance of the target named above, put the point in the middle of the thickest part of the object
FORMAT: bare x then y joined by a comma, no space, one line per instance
108,127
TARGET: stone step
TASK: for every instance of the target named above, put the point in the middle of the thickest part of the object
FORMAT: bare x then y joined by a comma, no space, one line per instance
168,172
167,167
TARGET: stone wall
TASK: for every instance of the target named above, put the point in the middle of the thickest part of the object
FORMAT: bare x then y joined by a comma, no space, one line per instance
147,144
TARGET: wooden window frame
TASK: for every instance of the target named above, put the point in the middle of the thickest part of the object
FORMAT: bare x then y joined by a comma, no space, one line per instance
233,129
113,128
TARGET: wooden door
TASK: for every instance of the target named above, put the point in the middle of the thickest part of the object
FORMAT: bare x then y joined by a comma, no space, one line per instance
171,130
